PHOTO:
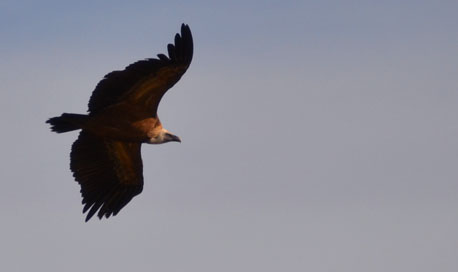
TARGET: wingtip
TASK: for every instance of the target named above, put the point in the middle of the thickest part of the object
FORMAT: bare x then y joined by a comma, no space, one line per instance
188,42
185,30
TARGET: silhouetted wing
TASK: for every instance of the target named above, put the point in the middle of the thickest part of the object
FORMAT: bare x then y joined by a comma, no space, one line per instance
146,81
110,173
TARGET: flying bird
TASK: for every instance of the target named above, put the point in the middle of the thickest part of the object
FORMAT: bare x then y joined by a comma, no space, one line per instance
122,115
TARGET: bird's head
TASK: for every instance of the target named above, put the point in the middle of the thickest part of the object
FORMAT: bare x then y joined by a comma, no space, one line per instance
164,136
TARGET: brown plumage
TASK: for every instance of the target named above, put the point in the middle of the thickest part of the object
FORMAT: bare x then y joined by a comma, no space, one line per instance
106,159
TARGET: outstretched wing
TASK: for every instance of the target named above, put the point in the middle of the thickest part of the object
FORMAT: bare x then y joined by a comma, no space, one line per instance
110,173
146,81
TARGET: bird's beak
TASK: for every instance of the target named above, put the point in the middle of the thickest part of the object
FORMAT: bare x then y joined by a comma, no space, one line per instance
174,138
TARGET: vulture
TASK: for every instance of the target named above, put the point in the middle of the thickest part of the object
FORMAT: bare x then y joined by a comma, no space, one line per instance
122,115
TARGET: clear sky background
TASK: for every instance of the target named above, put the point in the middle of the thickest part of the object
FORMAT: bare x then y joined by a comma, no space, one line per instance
317,136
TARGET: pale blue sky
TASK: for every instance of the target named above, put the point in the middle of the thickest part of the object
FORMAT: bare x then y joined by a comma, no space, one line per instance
317,136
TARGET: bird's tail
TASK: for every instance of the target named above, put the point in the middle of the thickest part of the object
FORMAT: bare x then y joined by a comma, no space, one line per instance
67,122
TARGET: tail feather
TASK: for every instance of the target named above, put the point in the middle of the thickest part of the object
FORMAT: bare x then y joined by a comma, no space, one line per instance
67,122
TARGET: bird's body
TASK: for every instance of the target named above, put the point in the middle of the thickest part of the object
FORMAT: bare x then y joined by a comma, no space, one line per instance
123,122
106,159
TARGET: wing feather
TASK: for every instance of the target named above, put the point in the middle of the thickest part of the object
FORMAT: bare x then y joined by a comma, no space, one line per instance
171,51
163,57
109,172
146,81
